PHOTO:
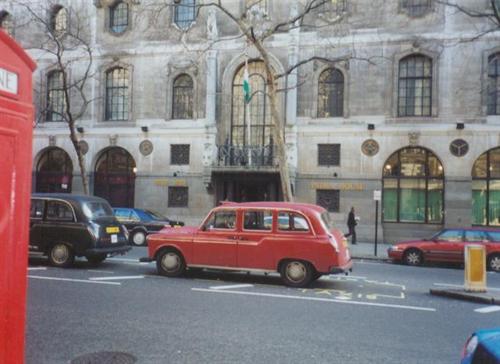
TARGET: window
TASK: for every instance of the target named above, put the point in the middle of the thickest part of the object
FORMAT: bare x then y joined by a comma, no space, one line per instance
415,86
328,154
60,211
118,17
225,219
184,13
494,84
54,171
416,7
36,211
332,8
56,100
258,220
331,93
290,221
494,236
486,189
177,196
183,98
451,236
257,5
328,199
475,235
6,22
117,94
413,187
59,20
179,154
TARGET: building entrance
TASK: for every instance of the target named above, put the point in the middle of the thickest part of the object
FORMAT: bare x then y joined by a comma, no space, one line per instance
247,187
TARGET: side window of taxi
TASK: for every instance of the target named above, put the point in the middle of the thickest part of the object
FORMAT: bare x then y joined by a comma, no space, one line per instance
36,211
291,221
59,211
258,220
225,219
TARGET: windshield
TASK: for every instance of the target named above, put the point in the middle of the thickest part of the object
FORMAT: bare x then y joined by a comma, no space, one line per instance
96,209
327,221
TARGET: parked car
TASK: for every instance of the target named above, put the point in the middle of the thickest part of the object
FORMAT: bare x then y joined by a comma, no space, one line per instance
296,240
64,226
448,245
482,347
140,223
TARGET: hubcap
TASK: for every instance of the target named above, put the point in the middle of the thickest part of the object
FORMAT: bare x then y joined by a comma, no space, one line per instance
170,262
495,264
60,254
296,271
413,258
139,238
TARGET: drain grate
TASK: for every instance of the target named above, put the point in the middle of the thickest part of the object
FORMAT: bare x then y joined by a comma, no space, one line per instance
105,357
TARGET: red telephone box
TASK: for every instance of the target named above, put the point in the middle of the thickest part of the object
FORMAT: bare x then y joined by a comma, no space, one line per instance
16,129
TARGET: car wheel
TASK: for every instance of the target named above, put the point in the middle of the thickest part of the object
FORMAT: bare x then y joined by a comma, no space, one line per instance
61,255
170,263
138,238
494,263
96,259
413,257
296,273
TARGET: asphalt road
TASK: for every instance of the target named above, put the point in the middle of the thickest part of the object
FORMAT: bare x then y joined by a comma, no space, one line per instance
382,313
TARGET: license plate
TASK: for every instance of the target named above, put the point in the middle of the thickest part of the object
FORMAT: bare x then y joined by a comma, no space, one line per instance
114,238
112,229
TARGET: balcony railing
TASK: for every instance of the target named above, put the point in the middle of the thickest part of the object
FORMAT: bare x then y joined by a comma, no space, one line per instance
246,156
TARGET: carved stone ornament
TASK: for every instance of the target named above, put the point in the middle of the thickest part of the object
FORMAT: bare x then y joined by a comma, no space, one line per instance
413,138
84,147
52,140
459,147
146,147
370,147
113,139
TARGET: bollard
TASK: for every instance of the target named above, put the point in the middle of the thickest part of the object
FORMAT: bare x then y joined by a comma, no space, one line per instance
475,268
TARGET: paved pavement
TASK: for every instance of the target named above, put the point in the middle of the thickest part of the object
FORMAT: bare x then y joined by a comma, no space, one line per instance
366,250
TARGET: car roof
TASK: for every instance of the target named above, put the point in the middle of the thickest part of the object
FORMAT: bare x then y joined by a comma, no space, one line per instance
68,197
303,207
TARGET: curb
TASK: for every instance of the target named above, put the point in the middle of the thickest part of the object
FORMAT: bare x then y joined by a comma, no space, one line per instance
466,296
371,257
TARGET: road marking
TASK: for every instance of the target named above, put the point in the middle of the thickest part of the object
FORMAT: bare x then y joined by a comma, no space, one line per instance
114,278
73,280
373,296
126,260
462,286
232,286
330,300
487,309
37,268
100,271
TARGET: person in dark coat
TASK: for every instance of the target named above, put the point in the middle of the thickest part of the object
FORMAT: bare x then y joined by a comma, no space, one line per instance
351,224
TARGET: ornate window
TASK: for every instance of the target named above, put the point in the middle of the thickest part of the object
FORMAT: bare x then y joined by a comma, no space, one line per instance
177,196
117,94
185,13
494,84
413,187
332,8
331,93
328,154
416,7
415,86
56,99
118,17
6,22
179,154
54,171
329,199
486,189
182,107
59,20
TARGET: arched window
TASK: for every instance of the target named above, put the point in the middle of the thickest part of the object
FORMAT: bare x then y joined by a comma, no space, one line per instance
117,94
6,22
486,189
115,177
413,187
182,107
494,84
331,93
54,171
56,100
118,17
185,13
59,19
415,86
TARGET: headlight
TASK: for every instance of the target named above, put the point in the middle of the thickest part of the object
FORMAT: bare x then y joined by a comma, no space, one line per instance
470,346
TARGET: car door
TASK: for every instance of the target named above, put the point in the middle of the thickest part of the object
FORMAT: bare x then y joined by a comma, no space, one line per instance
215,243
60,225
448,246
36,223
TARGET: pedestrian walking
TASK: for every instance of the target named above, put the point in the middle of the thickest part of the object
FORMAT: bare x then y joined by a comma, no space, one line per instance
351,224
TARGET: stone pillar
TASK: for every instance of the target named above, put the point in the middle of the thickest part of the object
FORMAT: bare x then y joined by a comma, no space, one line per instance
211,93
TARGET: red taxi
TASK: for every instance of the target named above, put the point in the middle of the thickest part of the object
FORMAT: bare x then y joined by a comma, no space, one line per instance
297,240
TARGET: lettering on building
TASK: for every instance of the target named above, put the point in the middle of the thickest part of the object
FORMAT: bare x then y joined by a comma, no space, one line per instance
338,186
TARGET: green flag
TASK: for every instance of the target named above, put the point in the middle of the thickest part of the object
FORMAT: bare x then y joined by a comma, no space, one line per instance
246,85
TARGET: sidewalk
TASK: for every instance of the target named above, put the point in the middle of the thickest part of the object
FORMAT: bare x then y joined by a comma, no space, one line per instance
367,251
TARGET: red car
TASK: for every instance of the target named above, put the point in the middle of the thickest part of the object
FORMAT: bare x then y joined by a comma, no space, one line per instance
296,240
448,246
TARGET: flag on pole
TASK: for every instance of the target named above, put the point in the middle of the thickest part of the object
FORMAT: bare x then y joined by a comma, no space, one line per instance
246,84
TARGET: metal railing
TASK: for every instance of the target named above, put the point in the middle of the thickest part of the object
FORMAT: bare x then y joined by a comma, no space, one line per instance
242,155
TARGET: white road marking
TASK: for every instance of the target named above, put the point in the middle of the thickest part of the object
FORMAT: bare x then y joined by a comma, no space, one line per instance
330,300
114,278
487,309
100,271
126,260
232,286
73,280
462,286
37,268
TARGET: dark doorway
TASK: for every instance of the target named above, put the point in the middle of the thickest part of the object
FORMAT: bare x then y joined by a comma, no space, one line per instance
54,171
247,187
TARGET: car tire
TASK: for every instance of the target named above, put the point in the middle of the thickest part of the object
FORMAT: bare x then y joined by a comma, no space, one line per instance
296,273
413,257
61,255
138,238
96,259
494,262
170,263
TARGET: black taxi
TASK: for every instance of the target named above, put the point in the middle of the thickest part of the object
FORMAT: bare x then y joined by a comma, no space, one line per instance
65,226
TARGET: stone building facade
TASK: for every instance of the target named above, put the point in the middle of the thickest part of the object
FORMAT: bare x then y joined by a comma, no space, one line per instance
408,108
